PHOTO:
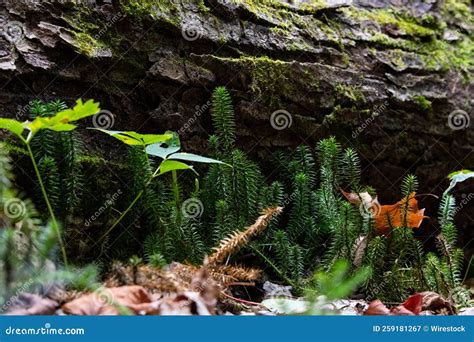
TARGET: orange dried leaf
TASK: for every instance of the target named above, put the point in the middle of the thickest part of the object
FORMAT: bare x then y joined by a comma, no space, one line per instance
388,216
392,215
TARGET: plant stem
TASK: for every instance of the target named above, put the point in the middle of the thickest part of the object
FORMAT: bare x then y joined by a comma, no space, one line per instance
130,206
125,212
48,204
176,189
280,273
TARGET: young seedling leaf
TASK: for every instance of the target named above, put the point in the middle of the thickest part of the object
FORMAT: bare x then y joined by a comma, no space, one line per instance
194,158
61,121
161,150
458,177
173,165
148,139
12,126
136,139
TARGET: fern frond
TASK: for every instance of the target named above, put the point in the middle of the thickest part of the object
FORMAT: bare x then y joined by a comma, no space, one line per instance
351,169
237,240
223,118
303,162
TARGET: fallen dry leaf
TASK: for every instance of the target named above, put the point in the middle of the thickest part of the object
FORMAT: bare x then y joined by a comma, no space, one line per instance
412,306
376,307
359,247
392,215
31,304
414,303
388,216
436,303
108,301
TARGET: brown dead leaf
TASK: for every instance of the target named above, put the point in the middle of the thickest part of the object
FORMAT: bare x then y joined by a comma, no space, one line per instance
377,308
436,303
359,247
412,306
31,304
200,300
108,301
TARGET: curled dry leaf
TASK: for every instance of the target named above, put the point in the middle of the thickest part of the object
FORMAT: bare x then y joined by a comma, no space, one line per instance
414,303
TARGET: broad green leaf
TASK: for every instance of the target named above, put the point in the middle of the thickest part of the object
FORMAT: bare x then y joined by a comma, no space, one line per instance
60,127
163,150
194,158
148,139
79,111
12,125
48,123
134,139
159,151
60,122
172,165
121,136
460,172
458,177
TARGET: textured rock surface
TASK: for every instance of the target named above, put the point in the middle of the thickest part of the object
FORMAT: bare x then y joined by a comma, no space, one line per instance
381,75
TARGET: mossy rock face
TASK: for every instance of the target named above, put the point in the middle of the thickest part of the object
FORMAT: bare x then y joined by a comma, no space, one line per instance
366,71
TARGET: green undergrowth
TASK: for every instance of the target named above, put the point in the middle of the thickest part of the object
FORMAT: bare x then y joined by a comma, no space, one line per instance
183,218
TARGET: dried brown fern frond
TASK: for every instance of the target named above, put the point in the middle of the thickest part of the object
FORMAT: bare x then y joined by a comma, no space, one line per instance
234,242
236,273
